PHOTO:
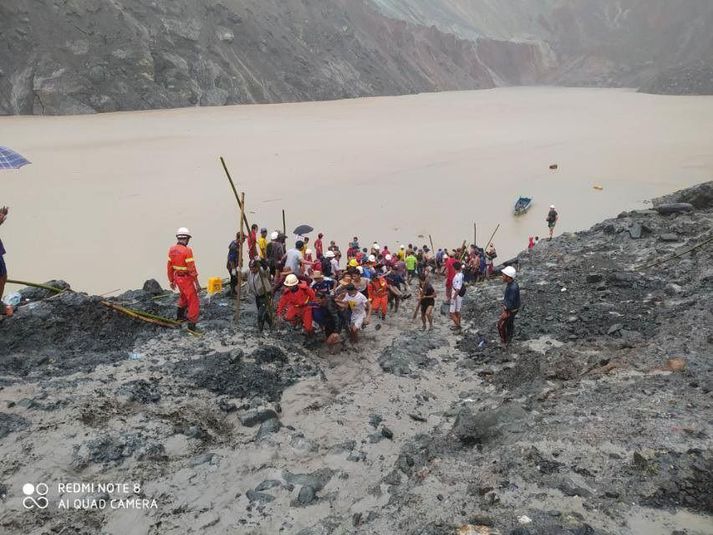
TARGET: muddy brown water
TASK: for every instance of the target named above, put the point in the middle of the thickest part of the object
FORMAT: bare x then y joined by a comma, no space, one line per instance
104,195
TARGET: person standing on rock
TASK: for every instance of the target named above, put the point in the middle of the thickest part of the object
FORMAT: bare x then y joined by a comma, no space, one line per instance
3,268
259,285
457,293
182,273
319,246
511,305
427,300
232,264
552,217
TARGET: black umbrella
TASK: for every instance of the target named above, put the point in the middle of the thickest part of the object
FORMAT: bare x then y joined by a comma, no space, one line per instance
303,229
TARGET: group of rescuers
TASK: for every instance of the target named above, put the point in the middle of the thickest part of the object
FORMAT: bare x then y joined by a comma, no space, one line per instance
311,286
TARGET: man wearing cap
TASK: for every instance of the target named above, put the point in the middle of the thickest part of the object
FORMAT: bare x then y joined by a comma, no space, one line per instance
182,273
511,304
552,217
275,251
322,284
296,303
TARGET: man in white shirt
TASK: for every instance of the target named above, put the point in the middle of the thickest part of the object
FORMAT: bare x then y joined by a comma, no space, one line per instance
360,308
456,298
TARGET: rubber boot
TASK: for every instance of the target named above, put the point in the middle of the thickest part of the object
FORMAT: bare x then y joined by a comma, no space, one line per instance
181,313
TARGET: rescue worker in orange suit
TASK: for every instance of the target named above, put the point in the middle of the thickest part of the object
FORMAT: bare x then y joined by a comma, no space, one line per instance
379,294
296,303
182,272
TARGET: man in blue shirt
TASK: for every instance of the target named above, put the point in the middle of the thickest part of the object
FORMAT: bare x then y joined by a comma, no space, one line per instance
3,269
511,305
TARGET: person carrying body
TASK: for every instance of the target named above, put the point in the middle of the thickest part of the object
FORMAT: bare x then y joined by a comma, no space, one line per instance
296,303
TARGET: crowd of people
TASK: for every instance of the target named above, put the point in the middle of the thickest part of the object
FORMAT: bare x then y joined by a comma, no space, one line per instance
324,290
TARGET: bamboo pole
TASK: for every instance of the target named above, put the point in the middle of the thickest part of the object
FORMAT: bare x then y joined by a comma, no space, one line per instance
284,224
235,191
141,317
240,258
266,288
433,249
35,285
668,258
491,237
475,234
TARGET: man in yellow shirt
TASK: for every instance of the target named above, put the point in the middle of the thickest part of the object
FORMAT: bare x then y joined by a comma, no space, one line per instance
402,253
262,244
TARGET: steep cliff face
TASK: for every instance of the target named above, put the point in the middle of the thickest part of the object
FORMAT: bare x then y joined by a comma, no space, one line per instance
82,56
594,42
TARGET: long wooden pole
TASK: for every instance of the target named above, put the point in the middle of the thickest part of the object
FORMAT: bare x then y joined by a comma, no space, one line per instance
284,224
235,191
475,234
266,287
240,259
491,237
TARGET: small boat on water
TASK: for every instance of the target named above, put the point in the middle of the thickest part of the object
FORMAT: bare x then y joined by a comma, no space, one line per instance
522,205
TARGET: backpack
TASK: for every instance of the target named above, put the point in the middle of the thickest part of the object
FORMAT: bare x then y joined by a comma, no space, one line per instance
462,291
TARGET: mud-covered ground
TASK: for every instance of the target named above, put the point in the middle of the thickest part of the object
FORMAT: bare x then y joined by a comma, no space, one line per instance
597,420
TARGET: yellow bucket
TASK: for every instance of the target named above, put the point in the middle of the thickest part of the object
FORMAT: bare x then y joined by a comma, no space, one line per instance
215,285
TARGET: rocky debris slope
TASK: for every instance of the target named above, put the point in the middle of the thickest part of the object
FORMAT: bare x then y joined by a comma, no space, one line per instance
596,420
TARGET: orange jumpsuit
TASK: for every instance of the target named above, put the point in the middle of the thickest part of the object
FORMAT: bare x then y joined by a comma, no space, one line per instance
298,305
181,270
379,295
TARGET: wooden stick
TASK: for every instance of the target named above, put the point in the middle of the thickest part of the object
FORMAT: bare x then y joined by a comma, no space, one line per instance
676,255
475,234
433,249
240,258
284,225
35,285
235,191
491,237
244,220
134,314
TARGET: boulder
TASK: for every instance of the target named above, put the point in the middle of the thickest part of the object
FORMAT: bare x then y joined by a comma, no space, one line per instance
478,428
674,208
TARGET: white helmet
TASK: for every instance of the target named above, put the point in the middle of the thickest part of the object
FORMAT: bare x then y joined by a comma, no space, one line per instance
274,235
552,206
402,246
291,280
509,271
329,254
183,232
372,258
308,251
360,269
375,246
388,257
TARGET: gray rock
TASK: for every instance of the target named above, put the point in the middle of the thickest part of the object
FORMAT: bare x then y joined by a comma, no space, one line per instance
152,287
259,497
317,479
615,328
254,417
669,237
268,427
387,433
268,484
594,278
479,428
204,458
306,495
674,208
635,231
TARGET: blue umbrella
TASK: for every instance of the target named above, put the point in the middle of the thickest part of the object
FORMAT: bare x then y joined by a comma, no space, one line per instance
9,159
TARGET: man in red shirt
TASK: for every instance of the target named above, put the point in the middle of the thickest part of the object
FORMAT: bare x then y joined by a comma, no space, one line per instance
318,247
450,273
182,273
296,303
252,242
